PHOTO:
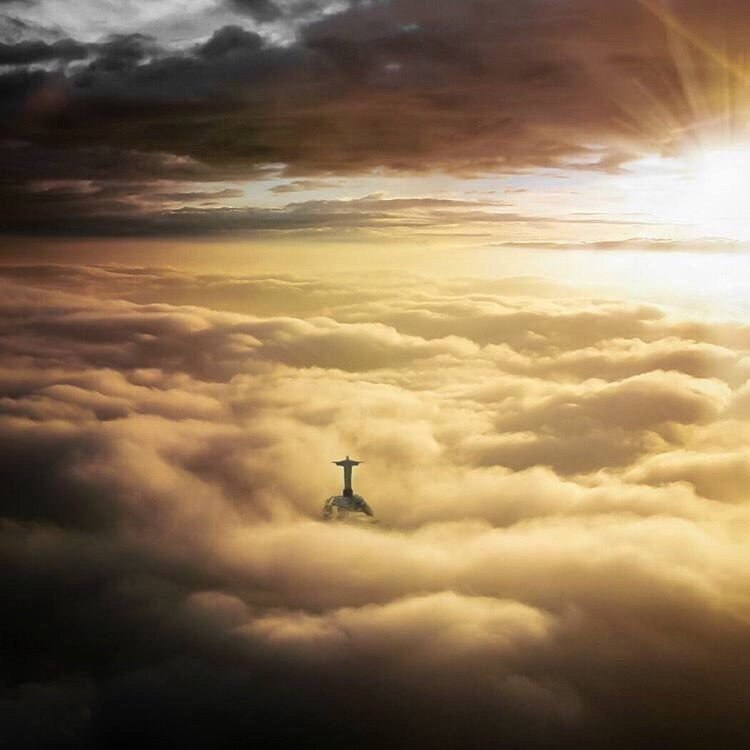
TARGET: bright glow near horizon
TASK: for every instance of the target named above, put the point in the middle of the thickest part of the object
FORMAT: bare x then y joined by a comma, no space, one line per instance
713,195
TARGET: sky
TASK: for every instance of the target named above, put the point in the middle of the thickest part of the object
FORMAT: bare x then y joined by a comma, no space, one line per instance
531,122
494,249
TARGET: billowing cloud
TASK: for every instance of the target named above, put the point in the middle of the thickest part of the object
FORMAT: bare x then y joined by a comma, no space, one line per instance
561,549
33,52
261,10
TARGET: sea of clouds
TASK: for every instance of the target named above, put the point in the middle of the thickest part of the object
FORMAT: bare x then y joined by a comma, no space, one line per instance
562,557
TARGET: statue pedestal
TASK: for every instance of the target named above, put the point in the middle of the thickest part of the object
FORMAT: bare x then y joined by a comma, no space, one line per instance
348,508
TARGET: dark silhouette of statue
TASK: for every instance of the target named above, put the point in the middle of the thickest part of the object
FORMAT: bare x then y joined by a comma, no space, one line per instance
348,464
347,506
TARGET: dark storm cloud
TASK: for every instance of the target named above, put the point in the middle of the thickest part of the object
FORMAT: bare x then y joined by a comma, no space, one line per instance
122,208
17,86
378,85
26,165
166,581
122,52
24,53
408,86
261,10
231,39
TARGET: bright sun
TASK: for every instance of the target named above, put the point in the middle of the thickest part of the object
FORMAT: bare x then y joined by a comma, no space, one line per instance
716,195
705,192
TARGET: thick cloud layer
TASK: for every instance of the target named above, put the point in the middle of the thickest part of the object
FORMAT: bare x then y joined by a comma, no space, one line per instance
562,550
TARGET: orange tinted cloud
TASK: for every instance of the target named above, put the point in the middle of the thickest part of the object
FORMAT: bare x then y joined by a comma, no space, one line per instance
560,535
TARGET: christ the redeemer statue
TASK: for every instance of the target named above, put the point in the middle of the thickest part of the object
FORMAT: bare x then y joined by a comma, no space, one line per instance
347,464
347,506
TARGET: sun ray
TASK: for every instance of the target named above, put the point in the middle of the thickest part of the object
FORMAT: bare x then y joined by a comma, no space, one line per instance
678,27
